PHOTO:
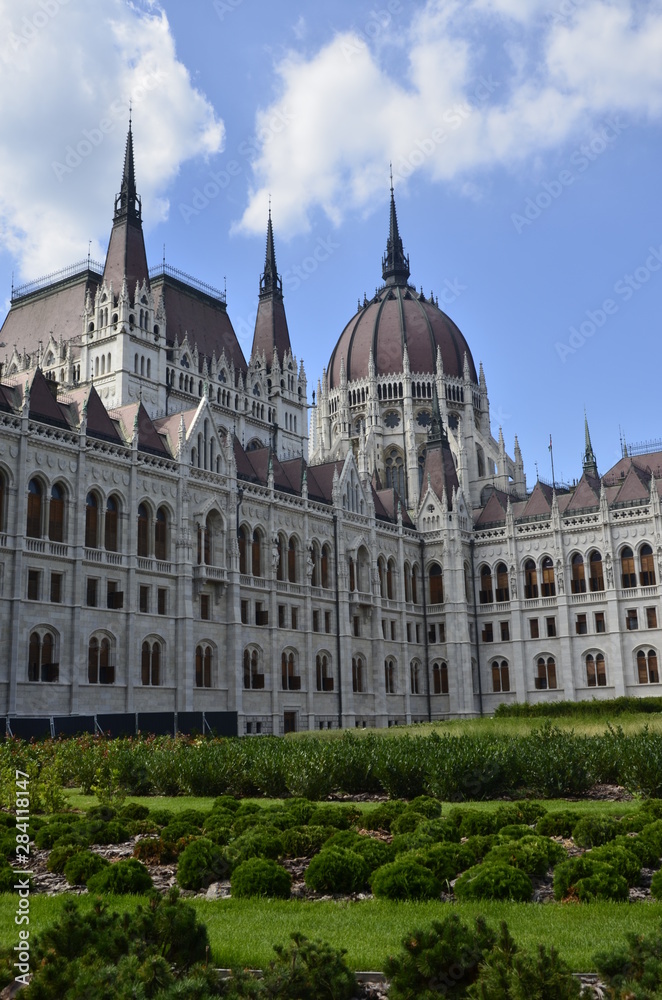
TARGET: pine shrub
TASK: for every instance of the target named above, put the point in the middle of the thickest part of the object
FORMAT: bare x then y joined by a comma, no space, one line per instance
473,822
82,865
342,817
200,864
161,816
593,831
261,877
265,843
494,881
149,849
405,878
382,816
443,860
623,861
407,822
558,824
633,971
304,841
431,808
585,879
510,974
374,852
337,870
306,970
59,856
124,877
133,811
111,832
530,855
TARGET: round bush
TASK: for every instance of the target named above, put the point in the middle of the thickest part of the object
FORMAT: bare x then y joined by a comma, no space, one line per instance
336,869
494,881
128,877
403,842
381,817
200,864
226,802
59,856
652,834
473,822
605,884
431,808
557,824
443,860
265,843
104,813
261,877
639,846
300,809
375,853
178,828
134,811
593,831
55,830
194,816
515,831
342,817
113,832
585,878
623,861
440,830
407,821
519,812
161,816
343,838
149,849
475,848
7,877
83,865
532,858
405,878
304,841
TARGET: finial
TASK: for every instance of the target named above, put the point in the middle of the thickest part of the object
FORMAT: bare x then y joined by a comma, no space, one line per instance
89,247
164,255
130,112
391,171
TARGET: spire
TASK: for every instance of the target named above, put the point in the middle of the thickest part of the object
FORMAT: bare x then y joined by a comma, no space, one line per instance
395,265
589,464
127,202
437,433
126,261
271,336
270,282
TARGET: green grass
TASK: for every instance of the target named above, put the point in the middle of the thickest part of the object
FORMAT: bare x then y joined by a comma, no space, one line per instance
488,725
243,932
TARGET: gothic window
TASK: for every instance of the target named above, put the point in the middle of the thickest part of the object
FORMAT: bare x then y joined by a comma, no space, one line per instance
100,670
358,671
324,566
185,363
389,675
421,468
35,494
56,514
414,677
530,579
596,675
3,501
292,561
480,458
323,673
289,678
628,574
436,584
647,669
500,676
110,527
407,575
161,534
352,575
440,678
502,585
253,678
578,582
392,419
151,662
243,545
381,572
395,472
548,582
414,585
91,521
423,418
143,530
596,579
485,594
203,657
41,654
256,555
546,673
647,576
390,572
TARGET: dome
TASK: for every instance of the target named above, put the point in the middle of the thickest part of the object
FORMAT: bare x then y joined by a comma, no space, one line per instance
398,317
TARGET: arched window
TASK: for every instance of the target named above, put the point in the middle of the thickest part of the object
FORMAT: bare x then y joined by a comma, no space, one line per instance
161,535
323,673
292,561
253,678
436,584
35,493
56,514
352,575
546,673
500,676
647,669
530,579
256,565
390,571
407,575
596,579
91,521
203,665
143,530
151,662
100,670
243,545
110,527
414,585
363,571
647,575
358,671
3,501
414,677
548,582
395,472
324,566
596,675
382,573
485,594
578,582
440,678
389,675
502,586
628,574
289,678
41,654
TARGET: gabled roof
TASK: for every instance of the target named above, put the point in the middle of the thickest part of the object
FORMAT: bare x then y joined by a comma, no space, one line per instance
386,506
99,423
168,427
540,501
636,486
586,494
439,470
149,438
494,510
43,404
126,257
650,463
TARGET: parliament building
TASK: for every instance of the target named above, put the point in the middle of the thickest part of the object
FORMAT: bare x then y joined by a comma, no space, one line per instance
181,532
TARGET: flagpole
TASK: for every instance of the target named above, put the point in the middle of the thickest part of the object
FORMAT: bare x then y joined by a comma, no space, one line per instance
551,455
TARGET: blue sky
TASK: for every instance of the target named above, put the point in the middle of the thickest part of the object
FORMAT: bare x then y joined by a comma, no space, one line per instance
525,140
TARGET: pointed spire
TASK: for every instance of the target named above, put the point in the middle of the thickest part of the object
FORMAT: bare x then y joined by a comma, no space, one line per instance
481,378
437,432
589,464
127,202
395,264
126,259
270,282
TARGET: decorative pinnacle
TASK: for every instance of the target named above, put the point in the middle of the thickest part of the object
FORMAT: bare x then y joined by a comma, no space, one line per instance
271,283
395,264
127,202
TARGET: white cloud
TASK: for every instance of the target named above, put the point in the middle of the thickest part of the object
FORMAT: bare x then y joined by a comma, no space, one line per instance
68,70
558,68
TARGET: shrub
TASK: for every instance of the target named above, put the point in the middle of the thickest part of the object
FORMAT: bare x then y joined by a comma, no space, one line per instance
652,834
226,802
178,828
523,811
639,846
200,864
431,808
403,842
407,821
55,830
149,849
59,856
514,831
196,817
623,861
134,810
217,828
633,970
336,869
265,843
656,885
261,877
474,849
510,974
557,824
83,865
494,881
381,817
124,877
440,960
161,816
473,822
307,969
342,817
104,813
592,831
440,830
303,842
405,878
113,832
300,809
530,854
375,853
443,860
586,879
